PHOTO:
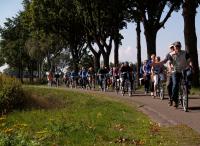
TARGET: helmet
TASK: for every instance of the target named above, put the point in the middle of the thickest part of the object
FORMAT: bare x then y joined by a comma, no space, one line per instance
126,63
177,44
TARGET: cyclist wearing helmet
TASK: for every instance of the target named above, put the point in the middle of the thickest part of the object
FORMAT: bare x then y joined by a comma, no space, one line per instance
125,72
102,72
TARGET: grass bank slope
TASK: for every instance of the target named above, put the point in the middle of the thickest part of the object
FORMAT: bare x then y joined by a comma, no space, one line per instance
59,117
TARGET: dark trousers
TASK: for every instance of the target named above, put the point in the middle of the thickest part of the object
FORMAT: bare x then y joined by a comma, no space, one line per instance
169,86
147,83
176,77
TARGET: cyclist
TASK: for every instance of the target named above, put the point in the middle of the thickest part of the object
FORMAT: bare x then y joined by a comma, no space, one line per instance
91,77
115,74
83,75
125,72
179,59
148,84
169,77
158,75
74,78
57,76
50,78
102,72
66,78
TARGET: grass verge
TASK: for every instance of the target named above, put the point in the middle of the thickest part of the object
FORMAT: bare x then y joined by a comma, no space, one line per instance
59,117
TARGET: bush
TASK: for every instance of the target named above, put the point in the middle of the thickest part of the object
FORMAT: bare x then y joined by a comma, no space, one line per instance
11,93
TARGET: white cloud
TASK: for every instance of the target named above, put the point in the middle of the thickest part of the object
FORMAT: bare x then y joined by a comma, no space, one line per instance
127,54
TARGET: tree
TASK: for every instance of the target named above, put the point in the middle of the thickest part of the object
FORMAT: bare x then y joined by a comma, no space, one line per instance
103,19
12,44
138,30
150,12
189,14
60,18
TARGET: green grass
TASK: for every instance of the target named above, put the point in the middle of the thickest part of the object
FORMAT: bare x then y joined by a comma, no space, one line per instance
59,117
195,91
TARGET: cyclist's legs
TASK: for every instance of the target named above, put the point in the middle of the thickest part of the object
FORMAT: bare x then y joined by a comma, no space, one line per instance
85,82
100,81
123,80
169,86
175,88
131,81
114,82
155,77
147,83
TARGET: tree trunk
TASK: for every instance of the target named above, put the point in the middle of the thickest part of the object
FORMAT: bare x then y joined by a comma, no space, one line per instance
75,57
49,61
106,59
116,51
30,68
138,30
96,56
189,13
105,49
150,35
20,72
97,61
38,69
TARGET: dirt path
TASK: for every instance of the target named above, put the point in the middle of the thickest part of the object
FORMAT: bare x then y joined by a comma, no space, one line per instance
158,110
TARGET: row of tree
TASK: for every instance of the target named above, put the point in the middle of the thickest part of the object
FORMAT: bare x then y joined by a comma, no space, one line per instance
47,28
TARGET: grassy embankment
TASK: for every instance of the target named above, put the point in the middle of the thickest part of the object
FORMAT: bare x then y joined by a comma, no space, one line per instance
60,117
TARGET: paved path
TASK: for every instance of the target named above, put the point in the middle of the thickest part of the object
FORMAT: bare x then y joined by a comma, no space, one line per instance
159,111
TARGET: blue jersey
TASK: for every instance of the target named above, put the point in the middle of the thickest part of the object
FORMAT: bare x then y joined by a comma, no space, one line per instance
147,67
74,74
83,74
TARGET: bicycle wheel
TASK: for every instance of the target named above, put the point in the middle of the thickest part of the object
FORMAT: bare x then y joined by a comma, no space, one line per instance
161,91
117,86
104,85
122,91
129,88
185,98
134,86
181,95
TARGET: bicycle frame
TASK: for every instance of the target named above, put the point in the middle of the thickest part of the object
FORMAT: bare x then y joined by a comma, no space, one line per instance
183,91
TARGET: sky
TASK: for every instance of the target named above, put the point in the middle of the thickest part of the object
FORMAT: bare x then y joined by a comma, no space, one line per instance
172,32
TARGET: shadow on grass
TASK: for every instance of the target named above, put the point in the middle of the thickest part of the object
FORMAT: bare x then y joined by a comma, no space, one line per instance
33,101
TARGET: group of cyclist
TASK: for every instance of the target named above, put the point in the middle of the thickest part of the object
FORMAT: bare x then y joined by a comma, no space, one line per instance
177,61
152,71
116,77
152,74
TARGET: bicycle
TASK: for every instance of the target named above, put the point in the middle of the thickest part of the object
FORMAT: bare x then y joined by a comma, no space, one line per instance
73,82
127,84
116,84
184,91
91,82
160,88
103,82
134,82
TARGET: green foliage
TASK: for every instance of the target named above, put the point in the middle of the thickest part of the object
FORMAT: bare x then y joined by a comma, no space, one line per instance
11,93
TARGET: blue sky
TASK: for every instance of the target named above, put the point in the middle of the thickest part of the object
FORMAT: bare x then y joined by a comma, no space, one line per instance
173,31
